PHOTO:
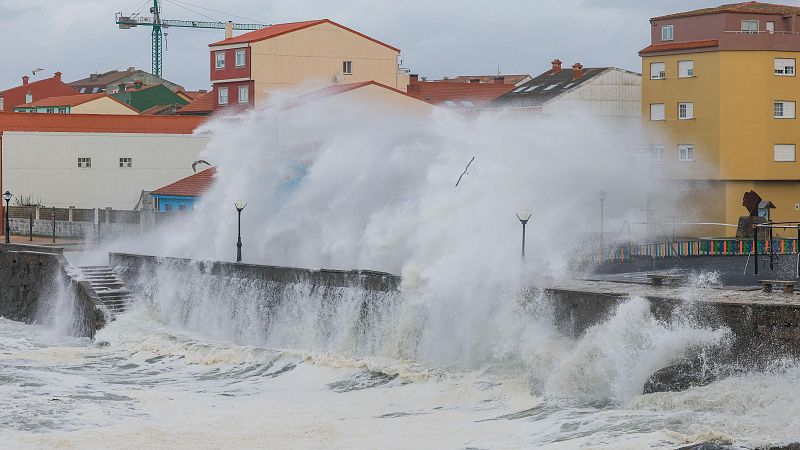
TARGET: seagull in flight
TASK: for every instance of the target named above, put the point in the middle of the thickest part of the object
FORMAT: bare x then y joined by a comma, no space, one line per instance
38,69
465,171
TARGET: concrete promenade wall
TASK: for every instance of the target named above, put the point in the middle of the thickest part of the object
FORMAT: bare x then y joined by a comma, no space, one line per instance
32,283
134,269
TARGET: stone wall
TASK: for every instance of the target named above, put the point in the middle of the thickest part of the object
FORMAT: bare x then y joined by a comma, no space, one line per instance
33,282
133,269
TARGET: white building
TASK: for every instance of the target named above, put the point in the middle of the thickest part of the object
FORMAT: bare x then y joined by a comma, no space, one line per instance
94,161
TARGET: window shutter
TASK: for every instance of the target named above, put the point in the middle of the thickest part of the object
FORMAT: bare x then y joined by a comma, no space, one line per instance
784,152
657,70
685,69
657,111
690,110
788,110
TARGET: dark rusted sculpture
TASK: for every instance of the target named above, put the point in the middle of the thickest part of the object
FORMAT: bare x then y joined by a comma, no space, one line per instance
751,201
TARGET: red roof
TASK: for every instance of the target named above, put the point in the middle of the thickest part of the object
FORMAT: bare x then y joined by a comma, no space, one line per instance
440,92
672,46
741,8
284,28
336,89
202,105
192,186
99,123
49,87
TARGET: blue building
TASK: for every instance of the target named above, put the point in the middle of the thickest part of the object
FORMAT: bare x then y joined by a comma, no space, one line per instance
182,194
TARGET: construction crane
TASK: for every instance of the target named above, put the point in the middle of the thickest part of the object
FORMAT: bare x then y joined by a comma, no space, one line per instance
157,23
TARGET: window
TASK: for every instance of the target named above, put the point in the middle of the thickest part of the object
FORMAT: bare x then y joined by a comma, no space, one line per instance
750,26
658,71
85,163
62,110
685,69
449,103
685,111
531,88
770,27
28,97
658,152
552,86
657,111
181,207
685,152
784,110
220,60
126,162
2,104
519,89
467,103
240,58
347,67
784,152
244,94
51,110
784,67
222,96
666,33
83,90
168,207
96,90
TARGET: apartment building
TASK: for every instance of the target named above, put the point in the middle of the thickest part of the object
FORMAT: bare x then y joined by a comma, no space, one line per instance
720,90
306,55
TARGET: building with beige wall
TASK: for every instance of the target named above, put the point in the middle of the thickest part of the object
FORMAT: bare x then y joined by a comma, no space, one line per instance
78,104
246,69
720,91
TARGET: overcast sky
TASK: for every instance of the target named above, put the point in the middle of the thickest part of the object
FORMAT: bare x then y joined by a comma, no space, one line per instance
437,37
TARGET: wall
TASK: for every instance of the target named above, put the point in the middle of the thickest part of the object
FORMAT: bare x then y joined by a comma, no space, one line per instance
165,203
32,284
616,93
103,105
43,165
313,56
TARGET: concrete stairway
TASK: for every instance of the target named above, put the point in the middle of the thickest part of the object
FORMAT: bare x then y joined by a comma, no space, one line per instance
106,288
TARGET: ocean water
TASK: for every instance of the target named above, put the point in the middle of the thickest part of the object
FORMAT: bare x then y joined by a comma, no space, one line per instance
146,383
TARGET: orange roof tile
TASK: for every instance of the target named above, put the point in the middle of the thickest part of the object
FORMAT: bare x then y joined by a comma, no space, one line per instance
742,8
99,123
194,185
439,92
204,104
336,89
671,46
284,28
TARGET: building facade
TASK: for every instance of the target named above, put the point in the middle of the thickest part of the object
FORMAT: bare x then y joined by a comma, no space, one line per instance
305,55
94,161
30,91
720,91
77,104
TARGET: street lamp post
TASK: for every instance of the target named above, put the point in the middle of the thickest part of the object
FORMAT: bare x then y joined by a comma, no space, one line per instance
602,195
523,216
239,207
7,198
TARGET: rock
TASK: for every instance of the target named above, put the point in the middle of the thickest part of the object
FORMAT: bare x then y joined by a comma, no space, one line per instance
679,377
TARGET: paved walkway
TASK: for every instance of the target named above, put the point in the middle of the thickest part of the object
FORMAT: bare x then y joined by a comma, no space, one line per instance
40,240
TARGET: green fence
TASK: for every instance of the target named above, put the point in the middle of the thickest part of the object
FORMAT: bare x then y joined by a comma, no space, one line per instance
701,247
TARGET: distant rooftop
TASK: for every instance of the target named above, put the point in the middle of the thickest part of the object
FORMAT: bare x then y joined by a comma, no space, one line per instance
741,8
99,123
194,185
507,79
457,95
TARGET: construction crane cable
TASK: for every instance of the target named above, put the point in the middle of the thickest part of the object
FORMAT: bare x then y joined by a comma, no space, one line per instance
219,12
196,12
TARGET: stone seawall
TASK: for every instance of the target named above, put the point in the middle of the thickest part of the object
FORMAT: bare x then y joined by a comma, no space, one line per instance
136,269
35,288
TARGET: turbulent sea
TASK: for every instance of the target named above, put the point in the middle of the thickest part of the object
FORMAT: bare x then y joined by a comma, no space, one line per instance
144,384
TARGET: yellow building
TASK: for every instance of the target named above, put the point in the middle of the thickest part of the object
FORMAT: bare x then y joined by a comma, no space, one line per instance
720,90
305,55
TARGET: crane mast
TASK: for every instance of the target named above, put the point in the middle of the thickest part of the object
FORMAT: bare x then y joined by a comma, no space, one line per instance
158,24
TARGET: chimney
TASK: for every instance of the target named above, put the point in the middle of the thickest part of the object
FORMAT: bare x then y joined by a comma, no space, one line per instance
57,76
556,66
413,78
24,80
229,30
131,69
474,80
94,76
577,71
499,80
